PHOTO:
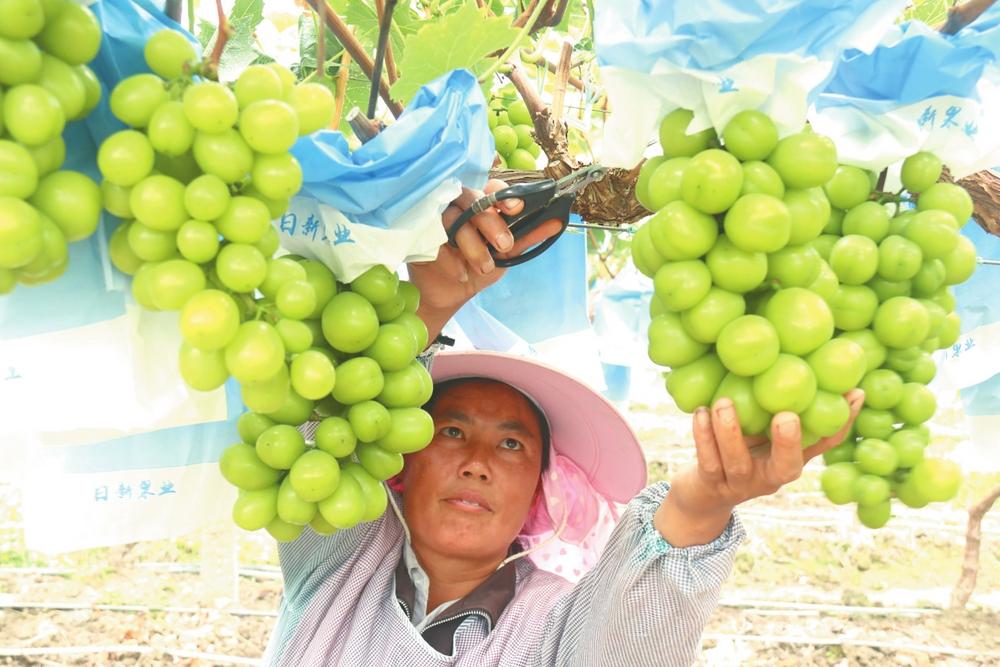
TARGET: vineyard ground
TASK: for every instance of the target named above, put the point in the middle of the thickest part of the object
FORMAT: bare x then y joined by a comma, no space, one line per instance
809,587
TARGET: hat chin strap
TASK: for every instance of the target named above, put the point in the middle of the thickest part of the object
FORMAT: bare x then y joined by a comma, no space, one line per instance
510,559
399,513
551,538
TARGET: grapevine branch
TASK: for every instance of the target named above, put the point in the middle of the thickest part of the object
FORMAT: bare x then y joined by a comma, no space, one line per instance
574,81
384,27
321,45
548,15
390,61
346,36
562,78
984,188
973,540
962,15
173,9
343,75
610,200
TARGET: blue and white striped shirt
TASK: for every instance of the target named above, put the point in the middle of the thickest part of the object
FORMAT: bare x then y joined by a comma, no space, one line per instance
644,603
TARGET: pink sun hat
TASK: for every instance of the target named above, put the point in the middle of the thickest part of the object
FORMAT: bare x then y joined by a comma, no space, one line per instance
584,426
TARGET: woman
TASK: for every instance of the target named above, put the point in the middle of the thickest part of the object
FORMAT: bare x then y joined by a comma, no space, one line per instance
522,458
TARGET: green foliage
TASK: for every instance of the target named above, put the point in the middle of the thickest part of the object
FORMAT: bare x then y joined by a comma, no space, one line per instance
308,46
931,12
241,49
464,38
253,10
362,17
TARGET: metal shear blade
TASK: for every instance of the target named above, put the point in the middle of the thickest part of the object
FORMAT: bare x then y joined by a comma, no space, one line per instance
579,179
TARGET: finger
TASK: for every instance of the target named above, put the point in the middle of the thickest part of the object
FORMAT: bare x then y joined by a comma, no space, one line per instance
511,206
469,197
534,237
453,265
474,250
856,401
785,463
448,263
489,223
470,242
493,227
736,461
705,446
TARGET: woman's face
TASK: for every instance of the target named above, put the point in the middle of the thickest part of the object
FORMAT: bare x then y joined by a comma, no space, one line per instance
468,493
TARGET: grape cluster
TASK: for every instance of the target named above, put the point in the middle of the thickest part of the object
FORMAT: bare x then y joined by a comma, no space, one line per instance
352,366
44,83
198,179
782,280
513,134
201,171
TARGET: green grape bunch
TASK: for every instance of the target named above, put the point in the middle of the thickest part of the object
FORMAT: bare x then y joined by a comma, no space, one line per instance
44,84
513,132
352,373
782,280
197,178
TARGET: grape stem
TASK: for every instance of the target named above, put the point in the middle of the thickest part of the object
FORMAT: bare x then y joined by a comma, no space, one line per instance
210,69
526,29
350,42
343,75
530,17
320,71
890,197
881,179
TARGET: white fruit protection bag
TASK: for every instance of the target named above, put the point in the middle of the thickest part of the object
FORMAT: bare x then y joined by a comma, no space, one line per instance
382,203
103,439
918,90
720,57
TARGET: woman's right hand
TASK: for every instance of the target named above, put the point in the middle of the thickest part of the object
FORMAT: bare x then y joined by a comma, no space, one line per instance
458,274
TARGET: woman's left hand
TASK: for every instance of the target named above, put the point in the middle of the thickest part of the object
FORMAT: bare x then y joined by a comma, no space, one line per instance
732,469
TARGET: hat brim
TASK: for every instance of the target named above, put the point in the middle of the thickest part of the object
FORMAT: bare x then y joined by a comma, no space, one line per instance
584,425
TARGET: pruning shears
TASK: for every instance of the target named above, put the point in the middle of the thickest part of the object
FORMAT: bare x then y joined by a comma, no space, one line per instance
546,199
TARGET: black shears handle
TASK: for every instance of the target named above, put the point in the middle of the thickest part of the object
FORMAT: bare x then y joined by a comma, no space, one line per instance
541,203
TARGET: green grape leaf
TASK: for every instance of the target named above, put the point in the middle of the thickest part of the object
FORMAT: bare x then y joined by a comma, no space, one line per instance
240,51
931,12
308,45
573,16
254,9
464,38
363,19
356,93
206,30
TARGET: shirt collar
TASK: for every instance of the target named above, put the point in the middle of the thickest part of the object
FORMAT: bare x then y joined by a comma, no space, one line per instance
490,597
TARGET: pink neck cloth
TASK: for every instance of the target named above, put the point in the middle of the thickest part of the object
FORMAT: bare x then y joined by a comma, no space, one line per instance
569,523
